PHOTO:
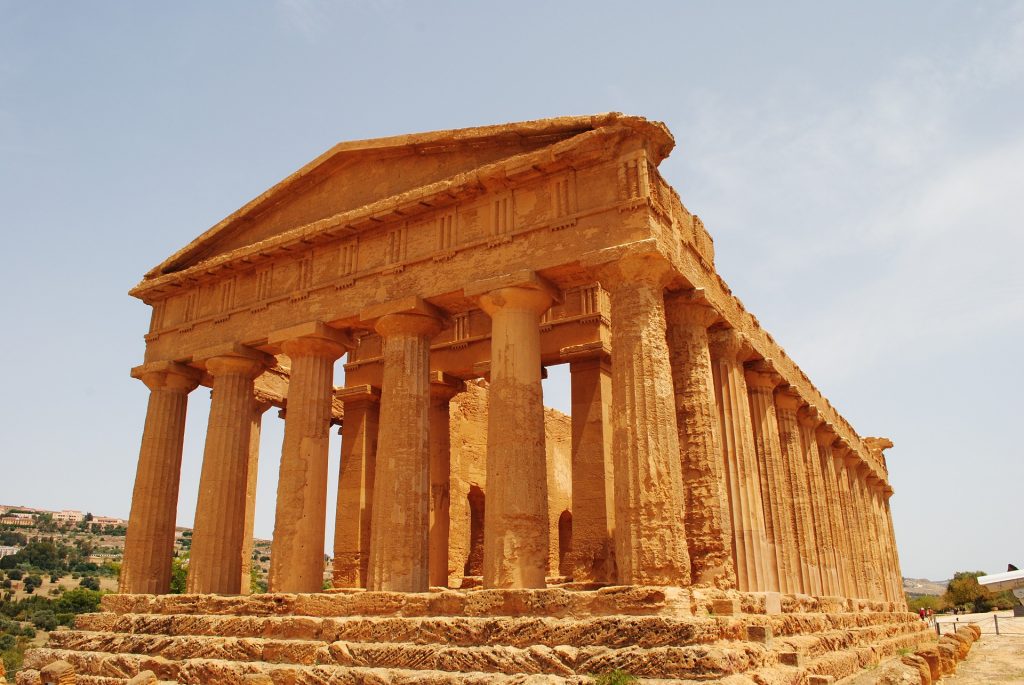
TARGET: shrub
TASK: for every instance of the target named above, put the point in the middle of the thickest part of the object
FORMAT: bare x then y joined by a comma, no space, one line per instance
90,583
45,620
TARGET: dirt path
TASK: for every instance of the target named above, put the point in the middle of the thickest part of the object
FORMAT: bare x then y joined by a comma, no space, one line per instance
993,659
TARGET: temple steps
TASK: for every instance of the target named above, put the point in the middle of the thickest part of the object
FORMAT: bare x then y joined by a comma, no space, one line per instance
554,636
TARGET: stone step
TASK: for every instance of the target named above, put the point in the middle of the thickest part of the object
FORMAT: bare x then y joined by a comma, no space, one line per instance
107,669
719,659
818,644
645,631
558,602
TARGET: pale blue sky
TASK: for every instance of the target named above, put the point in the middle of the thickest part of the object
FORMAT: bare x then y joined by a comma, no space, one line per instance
860,167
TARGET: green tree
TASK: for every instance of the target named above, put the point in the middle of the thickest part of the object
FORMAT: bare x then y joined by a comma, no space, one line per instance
78,601
179,574
90,583
32,582
965,591
45,619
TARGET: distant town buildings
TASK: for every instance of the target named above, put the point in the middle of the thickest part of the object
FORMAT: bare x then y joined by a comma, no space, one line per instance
25,516
6,550
68,516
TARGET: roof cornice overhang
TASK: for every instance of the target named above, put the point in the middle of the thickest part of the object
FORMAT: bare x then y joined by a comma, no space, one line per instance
581,150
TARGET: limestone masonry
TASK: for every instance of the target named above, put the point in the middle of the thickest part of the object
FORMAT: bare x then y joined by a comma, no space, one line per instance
703,513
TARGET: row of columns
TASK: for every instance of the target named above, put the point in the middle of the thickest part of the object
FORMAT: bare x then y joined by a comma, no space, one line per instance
702,467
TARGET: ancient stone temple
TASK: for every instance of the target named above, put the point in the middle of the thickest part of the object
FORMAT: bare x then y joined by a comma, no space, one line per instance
705,513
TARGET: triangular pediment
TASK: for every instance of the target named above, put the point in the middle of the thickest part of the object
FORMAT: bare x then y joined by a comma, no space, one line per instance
355,174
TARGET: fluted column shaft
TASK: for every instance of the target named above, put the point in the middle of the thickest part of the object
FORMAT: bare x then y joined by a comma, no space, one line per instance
901,599
399,552
705,491
259,408
750,539
852,525
593,494
356,474
873,559
819,504
775,490
441,394
886,569
297,554
516,534
215,564
650,532
867,561
840,533
149,544
786,405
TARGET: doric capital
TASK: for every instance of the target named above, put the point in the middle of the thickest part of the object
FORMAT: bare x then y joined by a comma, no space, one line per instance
313,339
808,416
234,359
728,343
761,380
825,434
409,315
787,399
519,290
689,309
651,269
168,376
357,393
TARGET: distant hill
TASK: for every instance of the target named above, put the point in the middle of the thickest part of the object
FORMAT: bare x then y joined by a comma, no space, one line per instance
923,586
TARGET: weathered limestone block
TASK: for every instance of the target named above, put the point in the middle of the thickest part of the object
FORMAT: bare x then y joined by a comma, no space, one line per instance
215,564
650,533
144,678
516,541
297,559
708,526
920,665
930,655
58,673
948,650
150,539
359,434
399,549
750,541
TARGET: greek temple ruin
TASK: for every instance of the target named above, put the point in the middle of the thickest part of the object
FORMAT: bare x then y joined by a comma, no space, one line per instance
701,472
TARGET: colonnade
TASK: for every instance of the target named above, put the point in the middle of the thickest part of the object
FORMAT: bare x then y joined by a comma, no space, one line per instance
693,460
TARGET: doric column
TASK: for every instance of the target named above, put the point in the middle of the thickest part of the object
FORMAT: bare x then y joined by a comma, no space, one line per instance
259,408
786,405
843,456
881,536
297,554
775,491
399,552
650,529
840,533
808,421
593,493
901,599
516,515
708,526
149,545
355,485
442,389
215,563
865,510
728,352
